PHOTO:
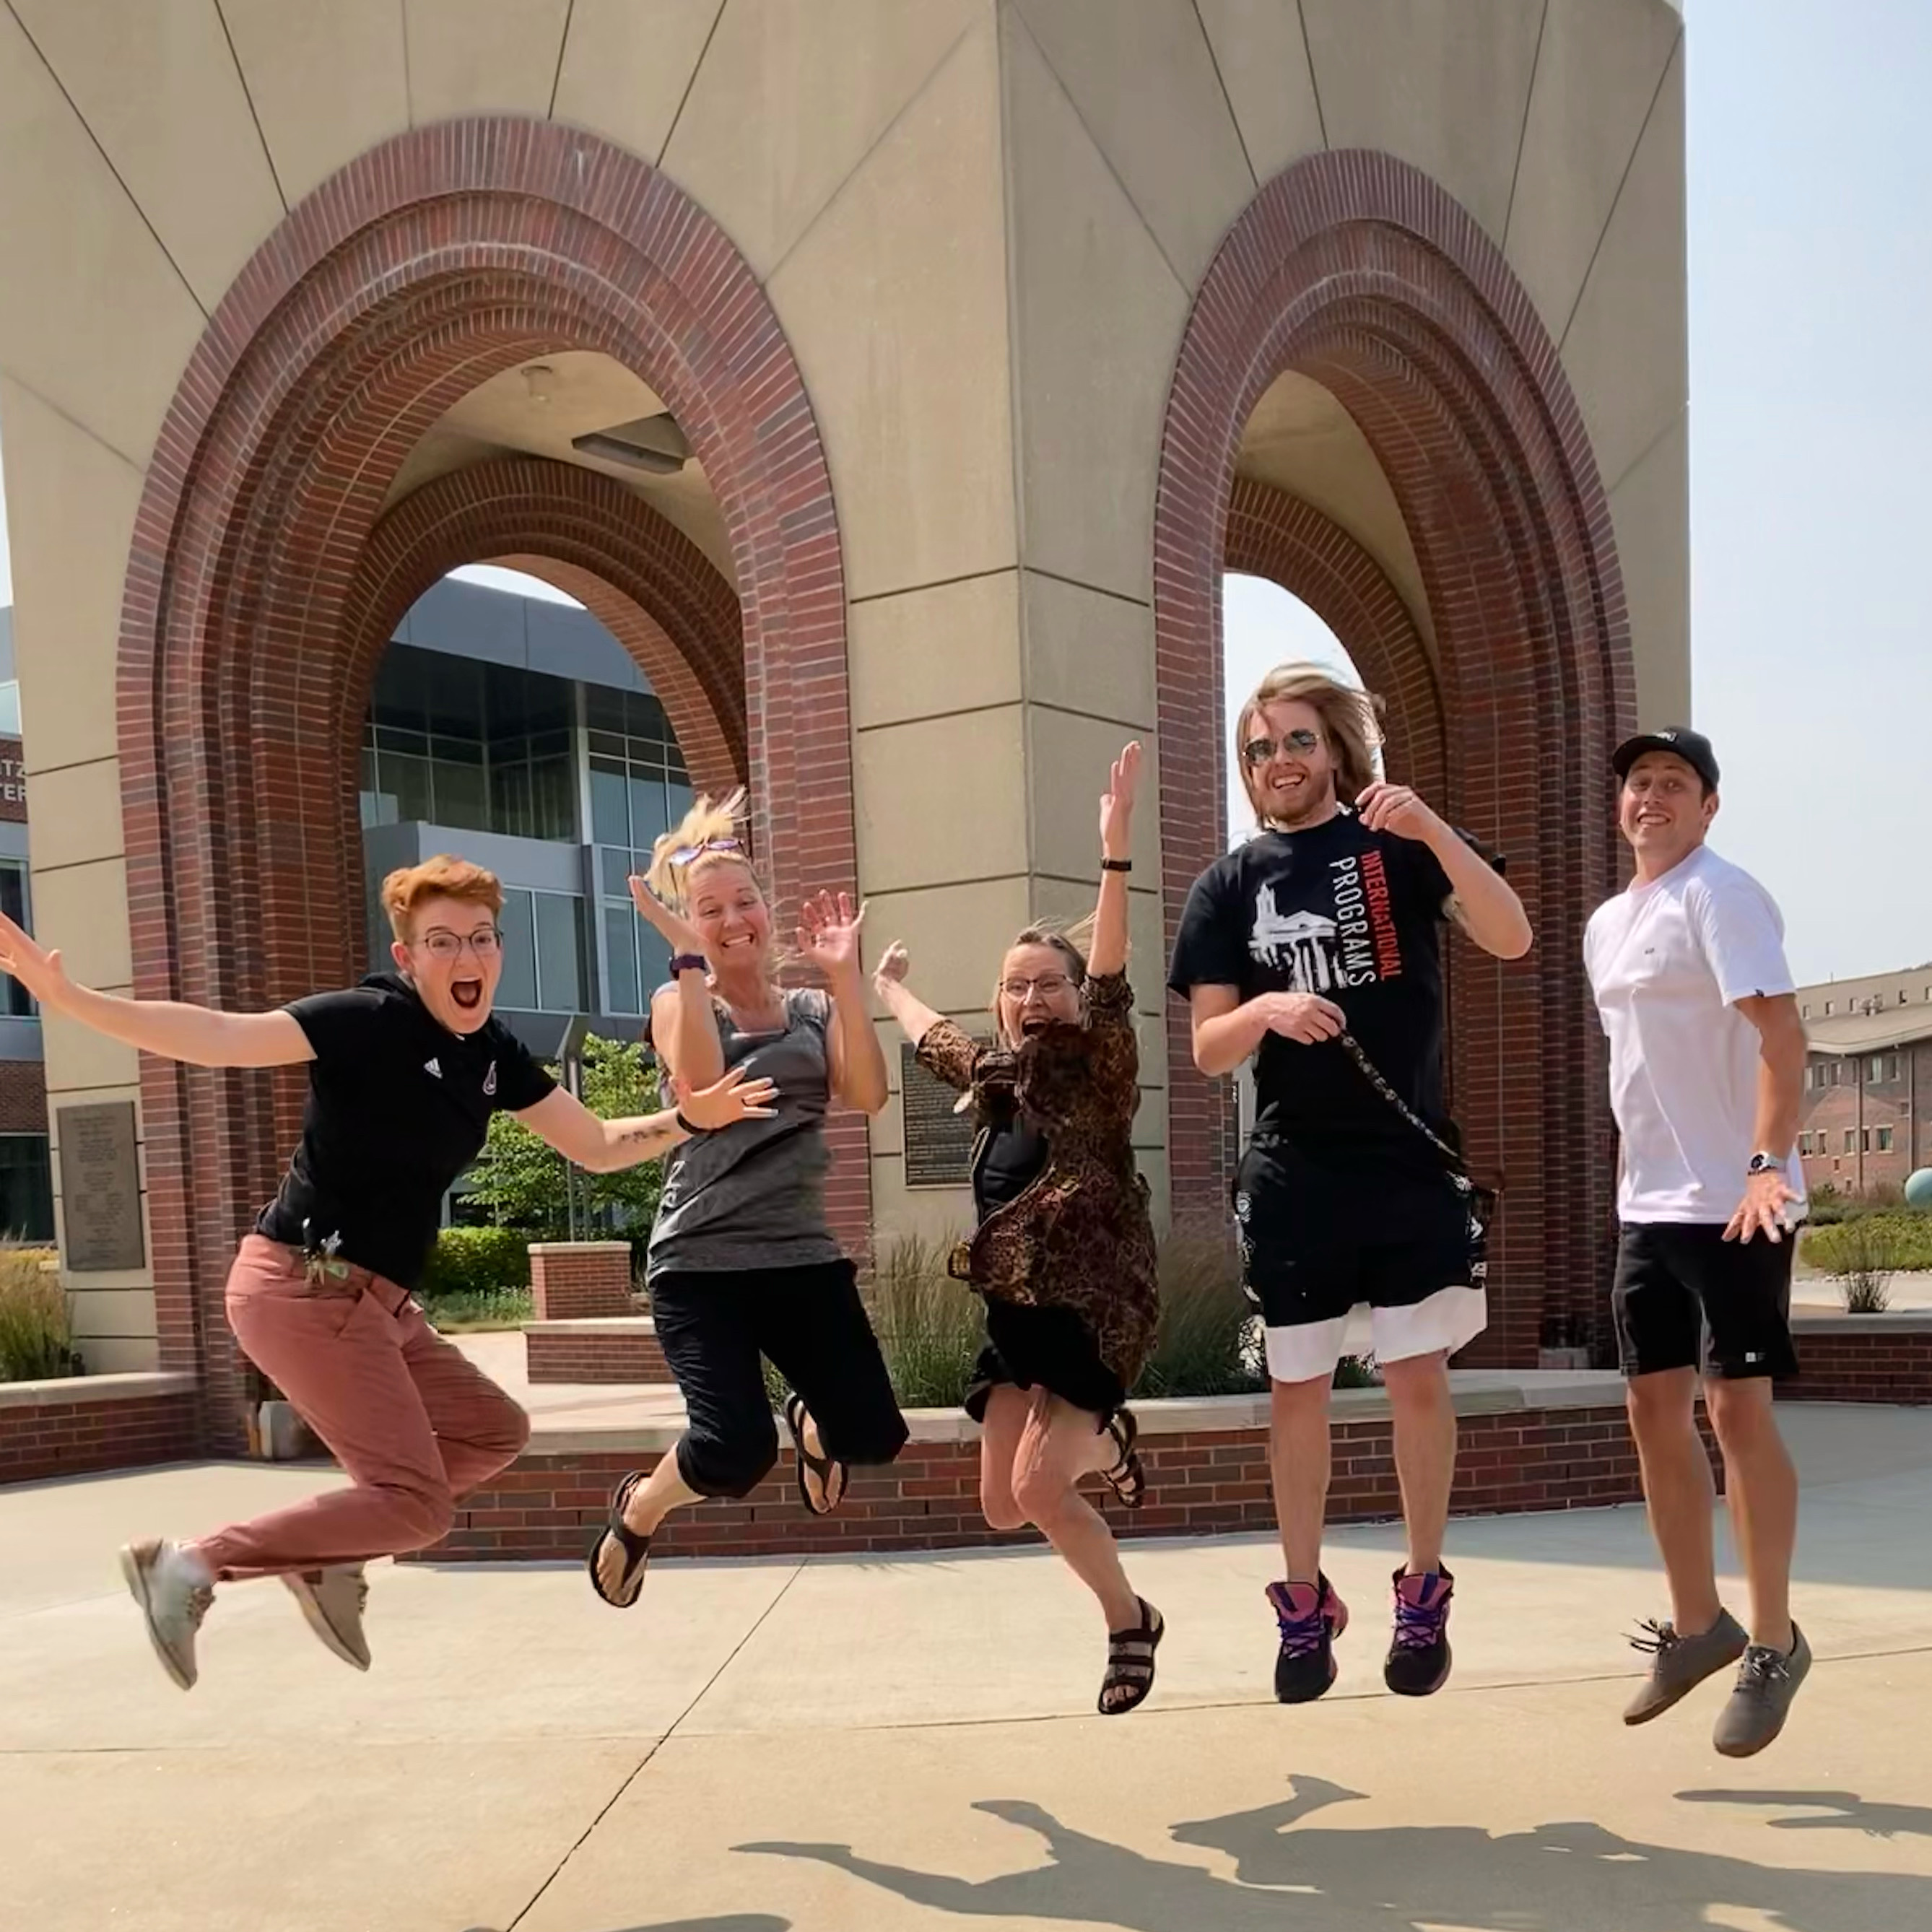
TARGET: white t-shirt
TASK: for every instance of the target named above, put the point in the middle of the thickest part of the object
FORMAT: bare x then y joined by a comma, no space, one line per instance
1668,961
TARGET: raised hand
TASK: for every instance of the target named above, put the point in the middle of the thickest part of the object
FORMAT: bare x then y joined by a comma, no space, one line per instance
677,931
891,969
37,969
726,1102
1384,807
828,934
1116,804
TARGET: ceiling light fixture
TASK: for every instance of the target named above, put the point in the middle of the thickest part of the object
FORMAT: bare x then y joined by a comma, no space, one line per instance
653,444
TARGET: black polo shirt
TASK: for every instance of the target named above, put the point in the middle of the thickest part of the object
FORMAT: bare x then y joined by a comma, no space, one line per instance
398,1106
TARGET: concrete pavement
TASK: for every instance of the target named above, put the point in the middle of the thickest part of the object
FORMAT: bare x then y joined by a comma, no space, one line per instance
794,1747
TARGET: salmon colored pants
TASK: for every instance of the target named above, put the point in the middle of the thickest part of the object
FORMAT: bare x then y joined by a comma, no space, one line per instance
412,1422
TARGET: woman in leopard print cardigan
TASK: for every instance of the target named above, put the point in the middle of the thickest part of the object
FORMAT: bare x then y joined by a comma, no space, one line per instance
1064,1254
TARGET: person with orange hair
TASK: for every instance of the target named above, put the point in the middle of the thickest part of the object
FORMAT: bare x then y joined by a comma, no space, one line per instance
405,1071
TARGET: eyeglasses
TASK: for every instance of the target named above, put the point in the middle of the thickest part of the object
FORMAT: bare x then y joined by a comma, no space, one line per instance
1048,986
443,944
684,855
1258,751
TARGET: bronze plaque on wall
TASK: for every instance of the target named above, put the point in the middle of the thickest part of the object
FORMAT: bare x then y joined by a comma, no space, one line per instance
100,1188
938,1141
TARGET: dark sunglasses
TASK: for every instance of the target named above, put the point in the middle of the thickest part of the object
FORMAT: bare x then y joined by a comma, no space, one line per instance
1258,751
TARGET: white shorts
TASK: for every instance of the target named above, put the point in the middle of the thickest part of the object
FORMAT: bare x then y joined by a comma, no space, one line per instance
1450,1319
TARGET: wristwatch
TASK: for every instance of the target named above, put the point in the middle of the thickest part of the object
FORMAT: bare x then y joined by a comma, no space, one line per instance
1765,1163
688,962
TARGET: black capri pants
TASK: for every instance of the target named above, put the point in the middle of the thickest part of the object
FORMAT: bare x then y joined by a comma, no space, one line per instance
714,1326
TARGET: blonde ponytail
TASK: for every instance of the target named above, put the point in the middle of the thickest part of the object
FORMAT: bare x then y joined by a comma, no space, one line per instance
707,834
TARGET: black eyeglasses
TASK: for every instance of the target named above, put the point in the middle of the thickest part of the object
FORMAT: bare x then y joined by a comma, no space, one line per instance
1258,751
442,943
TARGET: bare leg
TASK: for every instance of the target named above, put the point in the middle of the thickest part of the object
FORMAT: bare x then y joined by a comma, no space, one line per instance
1059,1445
1678,1492
1425,1452
1298,1460
1761,1487
1007,1410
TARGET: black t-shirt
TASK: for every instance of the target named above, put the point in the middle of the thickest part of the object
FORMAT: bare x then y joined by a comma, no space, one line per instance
1015,1157
1354,916
397,1107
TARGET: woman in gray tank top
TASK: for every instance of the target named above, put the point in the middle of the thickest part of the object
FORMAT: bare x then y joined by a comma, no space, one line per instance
742,1266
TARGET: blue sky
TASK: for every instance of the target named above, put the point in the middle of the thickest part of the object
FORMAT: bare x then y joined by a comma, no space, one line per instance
1811,242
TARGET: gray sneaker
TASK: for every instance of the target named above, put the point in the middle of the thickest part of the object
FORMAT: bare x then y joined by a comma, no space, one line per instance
1767,1680
332,1601
1681,1664
174,1591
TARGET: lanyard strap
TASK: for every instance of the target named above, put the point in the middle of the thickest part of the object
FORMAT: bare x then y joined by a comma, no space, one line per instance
1371,1073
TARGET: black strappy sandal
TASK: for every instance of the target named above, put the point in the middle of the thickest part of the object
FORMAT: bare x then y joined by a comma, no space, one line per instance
1127,1478
637,1549
823,1467
1130,1662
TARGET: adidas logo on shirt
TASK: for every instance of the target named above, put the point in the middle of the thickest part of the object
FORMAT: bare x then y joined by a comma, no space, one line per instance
430,1066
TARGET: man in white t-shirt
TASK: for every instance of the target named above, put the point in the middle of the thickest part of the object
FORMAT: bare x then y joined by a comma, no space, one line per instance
1707,1063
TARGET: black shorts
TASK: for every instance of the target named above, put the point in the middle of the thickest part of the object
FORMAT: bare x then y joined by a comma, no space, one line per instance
1043,1348
1687,1298
1320,1238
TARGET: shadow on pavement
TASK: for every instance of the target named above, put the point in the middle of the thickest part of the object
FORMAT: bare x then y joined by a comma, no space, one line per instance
1842,1811
1560,1877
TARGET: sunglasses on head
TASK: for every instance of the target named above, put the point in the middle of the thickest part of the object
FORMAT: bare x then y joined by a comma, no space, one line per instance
1258,751
684,855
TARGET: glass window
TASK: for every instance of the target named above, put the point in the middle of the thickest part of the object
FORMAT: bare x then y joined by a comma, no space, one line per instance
462,795
609,804
647,808
15,1001
621,993
518,986
553,798
1827,1009
678,798
10,708
26,1188
1884,1140
1874,1067
1851,1140
559,953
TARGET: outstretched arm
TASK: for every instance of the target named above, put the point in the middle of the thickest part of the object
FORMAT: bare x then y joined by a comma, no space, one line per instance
606,1147
1108,953
197,1035
915,1017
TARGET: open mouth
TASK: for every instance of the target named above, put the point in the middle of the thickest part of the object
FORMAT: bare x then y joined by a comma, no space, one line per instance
1035,1023
467,994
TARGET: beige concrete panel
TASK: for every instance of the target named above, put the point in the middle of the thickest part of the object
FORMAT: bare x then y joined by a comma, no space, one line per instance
1651,512
138,1355
790,98
93,316
940,799
326,81
627,65
111,1313
1088,652
83,911
956,936
1068,758
467,59
1596,77
75,814
1098,316
948,647
160,92
940,1215
70,507
1142,80
896,305
1262,56
1442,84
1627,352
81,1062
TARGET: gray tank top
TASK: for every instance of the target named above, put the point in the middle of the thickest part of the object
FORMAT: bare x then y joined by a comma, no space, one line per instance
753,1196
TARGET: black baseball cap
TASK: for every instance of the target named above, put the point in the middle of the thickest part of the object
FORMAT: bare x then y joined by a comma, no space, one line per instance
1693,747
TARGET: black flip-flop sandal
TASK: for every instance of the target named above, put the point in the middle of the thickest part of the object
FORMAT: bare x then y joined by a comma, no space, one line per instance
1127,1478
637,1549
821,1466
1130,1661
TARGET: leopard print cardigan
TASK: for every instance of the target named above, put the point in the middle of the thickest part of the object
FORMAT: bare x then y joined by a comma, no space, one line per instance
1079,1236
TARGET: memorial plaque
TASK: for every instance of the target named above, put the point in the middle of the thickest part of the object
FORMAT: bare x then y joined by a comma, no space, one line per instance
938,1141
100,1188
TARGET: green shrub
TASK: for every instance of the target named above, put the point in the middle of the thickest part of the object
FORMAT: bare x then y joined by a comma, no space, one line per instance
476,1261
1882,1240
930,1327
36,1341
1204,1345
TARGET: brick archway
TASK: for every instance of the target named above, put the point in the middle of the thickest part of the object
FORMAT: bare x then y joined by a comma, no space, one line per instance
1361,273
426,265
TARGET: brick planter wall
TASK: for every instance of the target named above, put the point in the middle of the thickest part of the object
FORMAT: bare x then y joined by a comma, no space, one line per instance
1883,1358
96,1422
625,1351
1203,1480
572,1280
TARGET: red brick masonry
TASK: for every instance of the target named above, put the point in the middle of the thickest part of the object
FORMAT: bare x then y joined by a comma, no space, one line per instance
618,1351
1203,1480
1882,1358
570,1280
96,1422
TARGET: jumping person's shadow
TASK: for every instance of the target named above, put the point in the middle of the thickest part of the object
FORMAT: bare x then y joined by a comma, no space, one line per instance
1842,1811
1562,1877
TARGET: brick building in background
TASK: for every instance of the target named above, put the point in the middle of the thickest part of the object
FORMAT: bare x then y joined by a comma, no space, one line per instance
26,1192
1867,1114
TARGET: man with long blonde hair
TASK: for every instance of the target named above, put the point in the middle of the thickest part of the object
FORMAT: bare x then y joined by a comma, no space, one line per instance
1314,949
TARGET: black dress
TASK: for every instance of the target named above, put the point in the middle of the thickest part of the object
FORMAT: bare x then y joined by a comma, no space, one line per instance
1047,1347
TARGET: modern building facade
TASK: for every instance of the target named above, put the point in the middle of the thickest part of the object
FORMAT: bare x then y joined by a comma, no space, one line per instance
895,380
26,1179
1866,1123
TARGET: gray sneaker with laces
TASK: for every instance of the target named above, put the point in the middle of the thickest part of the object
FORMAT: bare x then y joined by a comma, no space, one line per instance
174,1590
332,1602
1760,1700
1680,1664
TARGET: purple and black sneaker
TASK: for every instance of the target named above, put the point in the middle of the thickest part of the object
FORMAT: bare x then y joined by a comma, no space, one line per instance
1312,1617
1418,1658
